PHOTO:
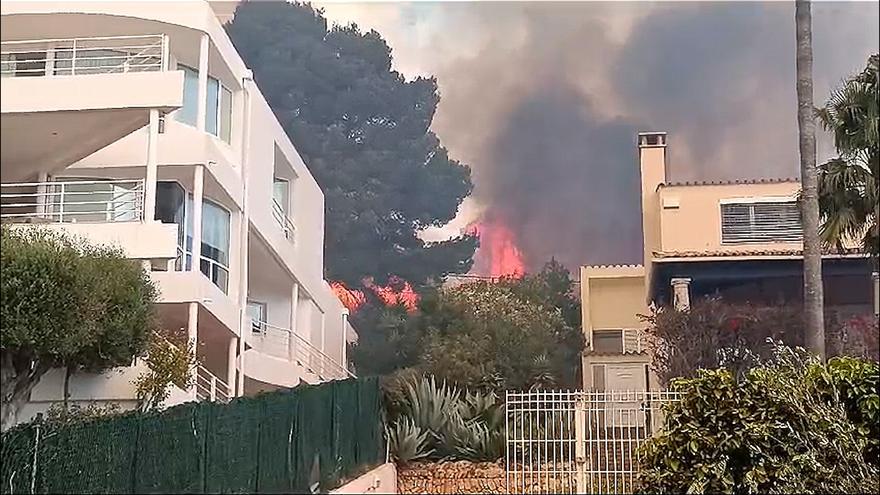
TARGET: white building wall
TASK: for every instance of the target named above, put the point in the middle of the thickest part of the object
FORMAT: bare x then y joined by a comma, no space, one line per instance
181,147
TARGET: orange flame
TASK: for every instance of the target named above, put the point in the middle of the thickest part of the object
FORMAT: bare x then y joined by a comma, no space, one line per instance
498,255
398,291
351,298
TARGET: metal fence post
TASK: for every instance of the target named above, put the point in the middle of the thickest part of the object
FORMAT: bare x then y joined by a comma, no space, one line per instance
580,436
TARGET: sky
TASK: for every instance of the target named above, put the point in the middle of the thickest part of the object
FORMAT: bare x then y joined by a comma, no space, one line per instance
543,101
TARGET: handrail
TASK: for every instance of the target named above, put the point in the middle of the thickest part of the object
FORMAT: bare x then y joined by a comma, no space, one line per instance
287,227
117,200
209,386
79,56
339,371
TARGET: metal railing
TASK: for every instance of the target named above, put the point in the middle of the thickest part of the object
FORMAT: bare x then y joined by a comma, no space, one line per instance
579,442
283,220
86,201
209,387
217,272
83,56
282,342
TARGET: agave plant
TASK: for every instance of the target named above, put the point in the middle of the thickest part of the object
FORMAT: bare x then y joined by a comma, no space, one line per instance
407,442
454,424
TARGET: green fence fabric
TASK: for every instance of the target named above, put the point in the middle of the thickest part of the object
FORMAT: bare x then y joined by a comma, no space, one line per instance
307,439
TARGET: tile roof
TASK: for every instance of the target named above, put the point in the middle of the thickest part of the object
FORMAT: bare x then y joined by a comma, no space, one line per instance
794,251
776,180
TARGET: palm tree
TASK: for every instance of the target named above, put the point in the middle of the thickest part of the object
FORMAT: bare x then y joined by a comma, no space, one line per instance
848,184
813,297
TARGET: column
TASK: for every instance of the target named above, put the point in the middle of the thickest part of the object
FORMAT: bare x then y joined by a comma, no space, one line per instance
192,335
230,366
291,342
152,167
202,107
344,354
681,293
244,228
323,331
198,202
875,277
42,192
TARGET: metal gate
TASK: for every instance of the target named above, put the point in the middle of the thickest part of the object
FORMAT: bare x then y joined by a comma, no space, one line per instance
578,442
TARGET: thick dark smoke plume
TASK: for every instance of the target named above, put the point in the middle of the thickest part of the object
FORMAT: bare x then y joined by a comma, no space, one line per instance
547,111
544,100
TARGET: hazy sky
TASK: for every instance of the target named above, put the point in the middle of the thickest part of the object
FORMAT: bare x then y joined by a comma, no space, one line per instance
543,100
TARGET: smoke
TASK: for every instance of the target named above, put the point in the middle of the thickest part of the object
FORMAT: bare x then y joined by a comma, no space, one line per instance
544,100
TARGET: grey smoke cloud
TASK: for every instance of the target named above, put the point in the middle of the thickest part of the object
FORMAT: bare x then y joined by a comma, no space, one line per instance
543,100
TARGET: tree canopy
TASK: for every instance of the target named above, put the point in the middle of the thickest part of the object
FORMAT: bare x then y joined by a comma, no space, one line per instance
363,130
516,333
848,194
64,303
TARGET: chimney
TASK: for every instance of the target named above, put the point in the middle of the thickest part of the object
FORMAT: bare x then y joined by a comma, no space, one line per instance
652,169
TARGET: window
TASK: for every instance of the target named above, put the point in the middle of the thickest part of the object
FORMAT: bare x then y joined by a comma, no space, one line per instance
218,104
608,341
170,208
215,242
211,106
95,200
766,221
226,114
90,61
281,205
187,113
257,312
599,377
218,120
30,64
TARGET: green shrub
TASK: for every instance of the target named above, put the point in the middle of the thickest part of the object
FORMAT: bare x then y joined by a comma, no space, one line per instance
783,427
66,303
855,383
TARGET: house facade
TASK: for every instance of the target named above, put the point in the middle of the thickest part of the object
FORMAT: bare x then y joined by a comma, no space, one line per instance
737,239
137,124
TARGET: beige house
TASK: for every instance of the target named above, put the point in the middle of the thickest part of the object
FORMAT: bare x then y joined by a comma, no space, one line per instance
137,124
738,239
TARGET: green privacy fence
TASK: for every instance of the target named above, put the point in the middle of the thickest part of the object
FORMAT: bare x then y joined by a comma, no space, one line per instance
299,441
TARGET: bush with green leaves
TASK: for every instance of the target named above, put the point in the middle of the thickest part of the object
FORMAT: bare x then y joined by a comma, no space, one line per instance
66,303
785,426
434,420
171,360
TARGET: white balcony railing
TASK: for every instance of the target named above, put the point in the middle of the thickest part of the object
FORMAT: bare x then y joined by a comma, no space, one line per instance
283,220
83,56
83,201
209,387
282,342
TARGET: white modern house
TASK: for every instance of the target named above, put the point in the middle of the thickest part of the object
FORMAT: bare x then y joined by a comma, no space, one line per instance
137,124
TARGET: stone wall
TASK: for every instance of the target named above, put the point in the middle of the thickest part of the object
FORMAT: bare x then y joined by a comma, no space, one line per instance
452,477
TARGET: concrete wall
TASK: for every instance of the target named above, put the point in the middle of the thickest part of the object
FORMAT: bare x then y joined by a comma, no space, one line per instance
382,479
690,216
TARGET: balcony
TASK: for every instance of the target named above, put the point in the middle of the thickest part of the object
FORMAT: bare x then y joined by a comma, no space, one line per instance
286,347
283,221
64,99
86,201
106,212
209,387
83,56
